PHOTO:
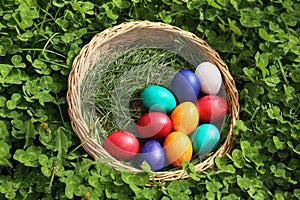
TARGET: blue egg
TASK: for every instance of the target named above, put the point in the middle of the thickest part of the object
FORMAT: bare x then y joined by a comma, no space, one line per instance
153,153
205,139
186,86
158,98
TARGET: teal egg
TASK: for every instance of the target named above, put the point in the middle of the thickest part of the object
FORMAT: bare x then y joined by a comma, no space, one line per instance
158,98
205,139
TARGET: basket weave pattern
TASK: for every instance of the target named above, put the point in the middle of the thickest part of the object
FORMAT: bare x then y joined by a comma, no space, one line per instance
81,128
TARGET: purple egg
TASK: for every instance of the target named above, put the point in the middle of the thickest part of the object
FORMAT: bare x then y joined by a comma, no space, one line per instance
153,153
186,86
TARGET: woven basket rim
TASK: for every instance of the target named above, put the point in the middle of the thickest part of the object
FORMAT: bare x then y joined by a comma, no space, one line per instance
81,129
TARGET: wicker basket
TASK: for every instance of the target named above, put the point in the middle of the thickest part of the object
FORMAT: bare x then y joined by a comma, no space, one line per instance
127,36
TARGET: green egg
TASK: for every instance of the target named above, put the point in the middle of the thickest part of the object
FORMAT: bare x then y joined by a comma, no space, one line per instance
158,98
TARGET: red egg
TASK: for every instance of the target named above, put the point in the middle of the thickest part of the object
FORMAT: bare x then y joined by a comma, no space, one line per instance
212,108
121,145
154,125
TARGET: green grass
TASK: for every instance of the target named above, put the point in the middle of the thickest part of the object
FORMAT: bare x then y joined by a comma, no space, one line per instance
40,155
120,84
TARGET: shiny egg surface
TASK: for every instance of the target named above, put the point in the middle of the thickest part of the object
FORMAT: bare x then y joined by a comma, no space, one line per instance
212,108
122,145
158,98
186,86
154,125
205,139
185,118
210,78
178,148
153,153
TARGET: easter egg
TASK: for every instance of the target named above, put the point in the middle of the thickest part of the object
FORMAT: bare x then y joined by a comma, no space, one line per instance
212,108
121,145
178,147
154,125
153,153
205,139
186,86
158,98
210,78
185,118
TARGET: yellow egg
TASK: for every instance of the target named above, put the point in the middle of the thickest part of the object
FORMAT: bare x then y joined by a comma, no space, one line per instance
178,148
185,118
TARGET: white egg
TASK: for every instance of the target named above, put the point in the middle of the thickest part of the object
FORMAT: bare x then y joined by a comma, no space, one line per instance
210,78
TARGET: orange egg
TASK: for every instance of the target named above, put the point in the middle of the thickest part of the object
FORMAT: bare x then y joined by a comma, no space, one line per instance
185,118
178,147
